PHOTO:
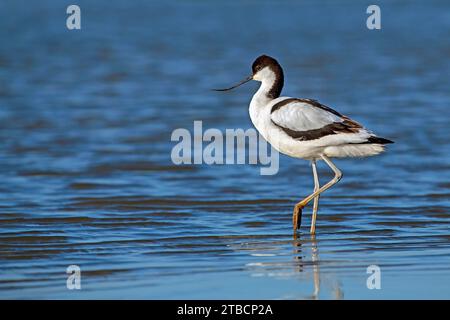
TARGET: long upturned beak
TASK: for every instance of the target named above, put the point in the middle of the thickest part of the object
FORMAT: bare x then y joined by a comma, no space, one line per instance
237,85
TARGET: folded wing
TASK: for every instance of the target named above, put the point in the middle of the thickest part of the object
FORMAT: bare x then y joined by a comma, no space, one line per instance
305,119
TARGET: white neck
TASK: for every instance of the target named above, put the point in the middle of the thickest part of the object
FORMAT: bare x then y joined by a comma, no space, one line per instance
261,97
259,101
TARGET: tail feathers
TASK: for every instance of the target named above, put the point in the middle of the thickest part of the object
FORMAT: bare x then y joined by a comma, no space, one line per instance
378,140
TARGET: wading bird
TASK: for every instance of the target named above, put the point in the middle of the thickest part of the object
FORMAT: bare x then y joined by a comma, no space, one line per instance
306,129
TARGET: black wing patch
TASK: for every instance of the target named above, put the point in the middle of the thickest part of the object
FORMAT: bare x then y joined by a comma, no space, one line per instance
347,126
378,140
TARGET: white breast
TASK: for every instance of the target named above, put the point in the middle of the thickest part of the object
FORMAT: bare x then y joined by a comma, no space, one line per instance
260,114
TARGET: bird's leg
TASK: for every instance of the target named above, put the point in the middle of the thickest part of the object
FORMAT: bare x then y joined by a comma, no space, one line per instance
337,176
316,199
297,218
297,215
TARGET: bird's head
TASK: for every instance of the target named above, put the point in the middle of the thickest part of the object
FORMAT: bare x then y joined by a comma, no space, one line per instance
263,68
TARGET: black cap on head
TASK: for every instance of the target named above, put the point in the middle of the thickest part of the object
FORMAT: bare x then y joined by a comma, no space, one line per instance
263,61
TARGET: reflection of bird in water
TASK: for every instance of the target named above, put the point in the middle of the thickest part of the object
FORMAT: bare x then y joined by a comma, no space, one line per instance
315,261
336,290
305,267
298,255
306,129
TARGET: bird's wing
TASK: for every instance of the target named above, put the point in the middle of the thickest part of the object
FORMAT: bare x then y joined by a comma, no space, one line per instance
306,119
302,115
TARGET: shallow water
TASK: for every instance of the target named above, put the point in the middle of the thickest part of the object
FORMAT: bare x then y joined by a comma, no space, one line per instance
85,124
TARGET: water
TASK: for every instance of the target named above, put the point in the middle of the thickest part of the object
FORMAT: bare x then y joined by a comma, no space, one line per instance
85,124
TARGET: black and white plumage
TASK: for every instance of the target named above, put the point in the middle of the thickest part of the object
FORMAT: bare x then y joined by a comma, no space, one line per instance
314,129
305,128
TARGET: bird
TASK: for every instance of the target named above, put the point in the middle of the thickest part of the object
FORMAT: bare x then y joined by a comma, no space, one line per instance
305,129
